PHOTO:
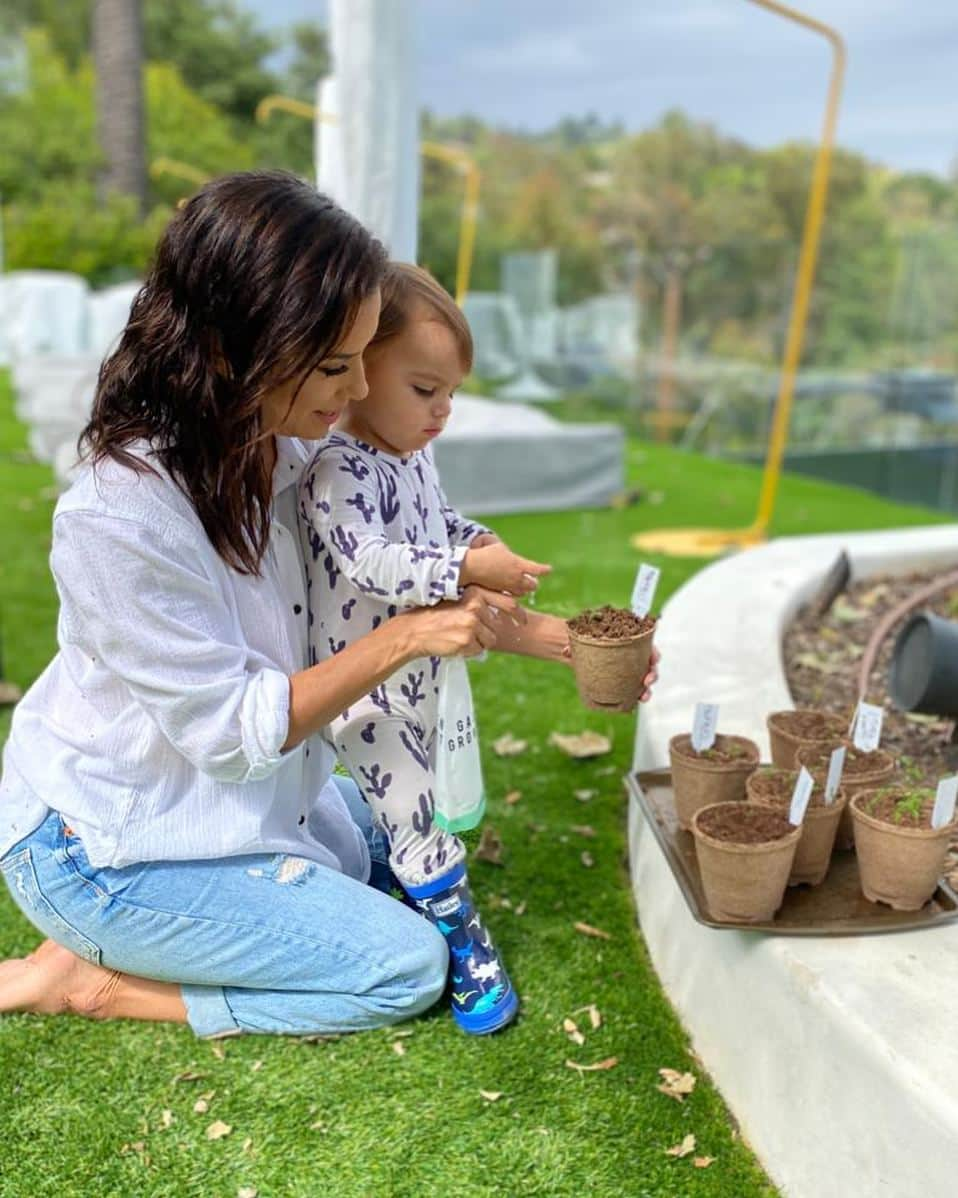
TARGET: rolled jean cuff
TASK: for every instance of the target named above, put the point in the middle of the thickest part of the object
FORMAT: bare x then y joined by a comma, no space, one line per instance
208,1012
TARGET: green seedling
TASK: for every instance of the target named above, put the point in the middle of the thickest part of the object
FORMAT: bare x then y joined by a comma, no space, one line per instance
909,807
877,797
911,769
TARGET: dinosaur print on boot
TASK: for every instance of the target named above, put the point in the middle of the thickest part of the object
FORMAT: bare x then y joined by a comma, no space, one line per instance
483,997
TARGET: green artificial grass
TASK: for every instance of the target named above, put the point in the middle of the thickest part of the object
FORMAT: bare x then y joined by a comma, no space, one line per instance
104,1110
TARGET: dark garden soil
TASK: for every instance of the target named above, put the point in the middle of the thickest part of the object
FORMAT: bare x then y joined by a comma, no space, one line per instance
857,764
811,725
725,751
772,785
610,624
908,808
742,823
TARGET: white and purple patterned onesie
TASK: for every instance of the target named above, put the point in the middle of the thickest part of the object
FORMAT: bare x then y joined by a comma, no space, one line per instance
378,537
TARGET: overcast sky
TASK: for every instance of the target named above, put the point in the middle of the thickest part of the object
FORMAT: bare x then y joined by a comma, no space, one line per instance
526,63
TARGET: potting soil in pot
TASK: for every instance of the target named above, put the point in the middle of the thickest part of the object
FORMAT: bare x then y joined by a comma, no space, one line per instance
610,623
611,649
790,731
715,775
724,823
745,853
774,788
900,855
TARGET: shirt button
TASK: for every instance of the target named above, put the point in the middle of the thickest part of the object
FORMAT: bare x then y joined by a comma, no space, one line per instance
297,608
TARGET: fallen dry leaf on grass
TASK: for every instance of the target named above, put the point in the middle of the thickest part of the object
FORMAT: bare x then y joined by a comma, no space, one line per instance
256,1066
587,860
686,1148
509,746
521,909
513,797
588,930
399,1048
676,1085
166,1119
247,1192
595,1017
189,1076
585,830
584,795
581,744
219,1052
201,1106
490,846
247,1143
217,1130
703,1162
608,1063
491,1095
572,1031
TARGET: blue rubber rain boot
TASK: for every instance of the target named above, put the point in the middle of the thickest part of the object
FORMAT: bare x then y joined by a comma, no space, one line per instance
483,998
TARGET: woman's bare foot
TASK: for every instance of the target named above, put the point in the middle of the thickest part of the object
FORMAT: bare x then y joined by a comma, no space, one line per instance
52,980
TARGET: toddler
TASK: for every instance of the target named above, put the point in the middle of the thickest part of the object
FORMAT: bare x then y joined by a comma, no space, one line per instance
379,537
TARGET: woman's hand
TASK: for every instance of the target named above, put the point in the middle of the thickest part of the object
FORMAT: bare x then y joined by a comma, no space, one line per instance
651,677
464,628
495,566
485,538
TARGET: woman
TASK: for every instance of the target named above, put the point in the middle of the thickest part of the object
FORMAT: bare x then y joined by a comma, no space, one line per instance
167,816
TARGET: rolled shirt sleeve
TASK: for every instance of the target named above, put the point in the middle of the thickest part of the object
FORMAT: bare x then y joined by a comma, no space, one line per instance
142,602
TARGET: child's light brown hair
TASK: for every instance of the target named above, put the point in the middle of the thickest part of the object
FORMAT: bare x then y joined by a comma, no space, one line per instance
404,287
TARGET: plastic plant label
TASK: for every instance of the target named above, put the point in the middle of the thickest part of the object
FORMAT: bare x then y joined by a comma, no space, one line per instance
836,764
643,592
704,725
868,727
943,811
804,786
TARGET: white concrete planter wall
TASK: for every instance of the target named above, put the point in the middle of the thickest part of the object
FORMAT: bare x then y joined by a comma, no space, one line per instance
839,1057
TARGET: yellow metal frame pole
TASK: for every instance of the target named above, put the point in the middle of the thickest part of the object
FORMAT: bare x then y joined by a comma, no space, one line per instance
469,213
807,261
707,542
465,163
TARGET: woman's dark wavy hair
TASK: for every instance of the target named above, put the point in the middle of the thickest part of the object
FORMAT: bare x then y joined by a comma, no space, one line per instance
256,280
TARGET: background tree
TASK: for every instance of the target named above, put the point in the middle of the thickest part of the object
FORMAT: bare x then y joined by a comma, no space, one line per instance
117,40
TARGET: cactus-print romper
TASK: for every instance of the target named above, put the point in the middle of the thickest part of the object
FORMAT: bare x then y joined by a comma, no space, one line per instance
378,537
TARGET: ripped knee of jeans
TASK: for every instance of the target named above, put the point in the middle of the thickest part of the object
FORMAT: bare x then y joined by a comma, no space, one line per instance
284,870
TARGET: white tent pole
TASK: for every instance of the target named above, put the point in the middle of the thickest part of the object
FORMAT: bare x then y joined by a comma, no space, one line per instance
369,160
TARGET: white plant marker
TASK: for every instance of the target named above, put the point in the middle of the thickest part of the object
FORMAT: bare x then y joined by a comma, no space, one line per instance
643,592
867,722
836,764
704,725
804,785
944,810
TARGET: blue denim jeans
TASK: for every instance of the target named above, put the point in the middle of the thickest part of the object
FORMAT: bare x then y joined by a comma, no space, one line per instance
261,943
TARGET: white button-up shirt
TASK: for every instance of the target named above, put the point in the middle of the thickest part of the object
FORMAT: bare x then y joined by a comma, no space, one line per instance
157,729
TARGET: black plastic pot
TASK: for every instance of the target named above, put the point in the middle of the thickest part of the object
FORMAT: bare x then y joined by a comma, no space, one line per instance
924,666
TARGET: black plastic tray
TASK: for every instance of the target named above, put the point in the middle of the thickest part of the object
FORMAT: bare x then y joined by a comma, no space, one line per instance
836,907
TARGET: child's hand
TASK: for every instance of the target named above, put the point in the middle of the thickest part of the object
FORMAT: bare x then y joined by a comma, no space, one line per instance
495,566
